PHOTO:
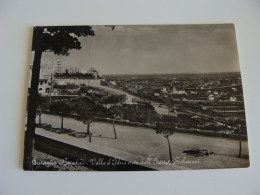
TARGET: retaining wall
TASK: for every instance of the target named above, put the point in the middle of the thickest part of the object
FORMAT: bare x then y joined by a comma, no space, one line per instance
76,154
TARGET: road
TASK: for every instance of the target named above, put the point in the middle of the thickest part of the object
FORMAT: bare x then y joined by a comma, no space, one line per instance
160,109
138,143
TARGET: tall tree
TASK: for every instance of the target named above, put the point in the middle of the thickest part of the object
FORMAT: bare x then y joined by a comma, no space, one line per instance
61,108
56,39
240,127
166,129
88,117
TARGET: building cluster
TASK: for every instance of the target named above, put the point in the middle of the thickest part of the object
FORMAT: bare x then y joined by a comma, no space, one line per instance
72,71
49,72
187,88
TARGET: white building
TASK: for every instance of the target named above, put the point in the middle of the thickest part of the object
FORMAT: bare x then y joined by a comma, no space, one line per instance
175,91
233,99
164,90
44,87
94,72
234,89
73,70
193,92
59,66
211,97
113,82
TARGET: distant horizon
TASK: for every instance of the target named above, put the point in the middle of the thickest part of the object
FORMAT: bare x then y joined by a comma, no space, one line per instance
234,72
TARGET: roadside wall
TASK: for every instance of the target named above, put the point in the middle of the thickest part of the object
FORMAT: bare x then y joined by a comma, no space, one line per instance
77,154
180,130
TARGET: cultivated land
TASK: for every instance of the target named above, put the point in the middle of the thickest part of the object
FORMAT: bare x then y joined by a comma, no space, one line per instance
145,146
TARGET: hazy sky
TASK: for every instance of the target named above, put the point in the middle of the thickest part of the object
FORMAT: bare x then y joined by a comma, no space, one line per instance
156,49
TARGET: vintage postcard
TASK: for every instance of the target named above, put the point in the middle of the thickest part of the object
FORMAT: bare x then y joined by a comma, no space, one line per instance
135,98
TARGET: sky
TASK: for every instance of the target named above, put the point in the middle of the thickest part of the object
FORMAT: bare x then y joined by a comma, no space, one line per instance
152,49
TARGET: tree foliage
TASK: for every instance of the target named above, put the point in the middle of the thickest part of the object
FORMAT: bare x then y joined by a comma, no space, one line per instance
239,126
56,39
60,107
166,129
59,39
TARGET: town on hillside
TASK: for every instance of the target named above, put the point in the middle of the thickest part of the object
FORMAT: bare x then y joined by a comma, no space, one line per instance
203,102
155,97
199,104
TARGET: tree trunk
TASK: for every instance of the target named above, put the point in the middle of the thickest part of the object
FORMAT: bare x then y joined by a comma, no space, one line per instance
88,133
170,151
240,144
114,129
32,107
61,121
88,129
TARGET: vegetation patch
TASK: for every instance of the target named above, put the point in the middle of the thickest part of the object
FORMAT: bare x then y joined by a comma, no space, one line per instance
198,153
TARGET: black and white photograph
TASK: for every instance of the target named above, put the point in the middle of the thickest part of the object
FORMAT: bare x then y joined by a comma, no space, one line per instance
135,98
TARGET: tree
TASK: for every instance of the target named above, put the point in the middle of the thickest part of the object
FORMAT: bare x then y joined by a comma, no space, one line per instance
88,117
61,108
239,126
65,110
59,40
166,129
114,128
88,122
114,113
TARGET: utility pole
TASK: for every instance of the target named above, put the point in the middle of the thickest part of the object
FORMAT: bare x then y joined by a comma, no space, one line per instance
51,87
40,113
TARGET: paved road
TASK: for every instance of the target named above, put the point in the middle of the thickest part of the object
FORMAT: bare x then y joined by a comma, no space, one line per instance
136,143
